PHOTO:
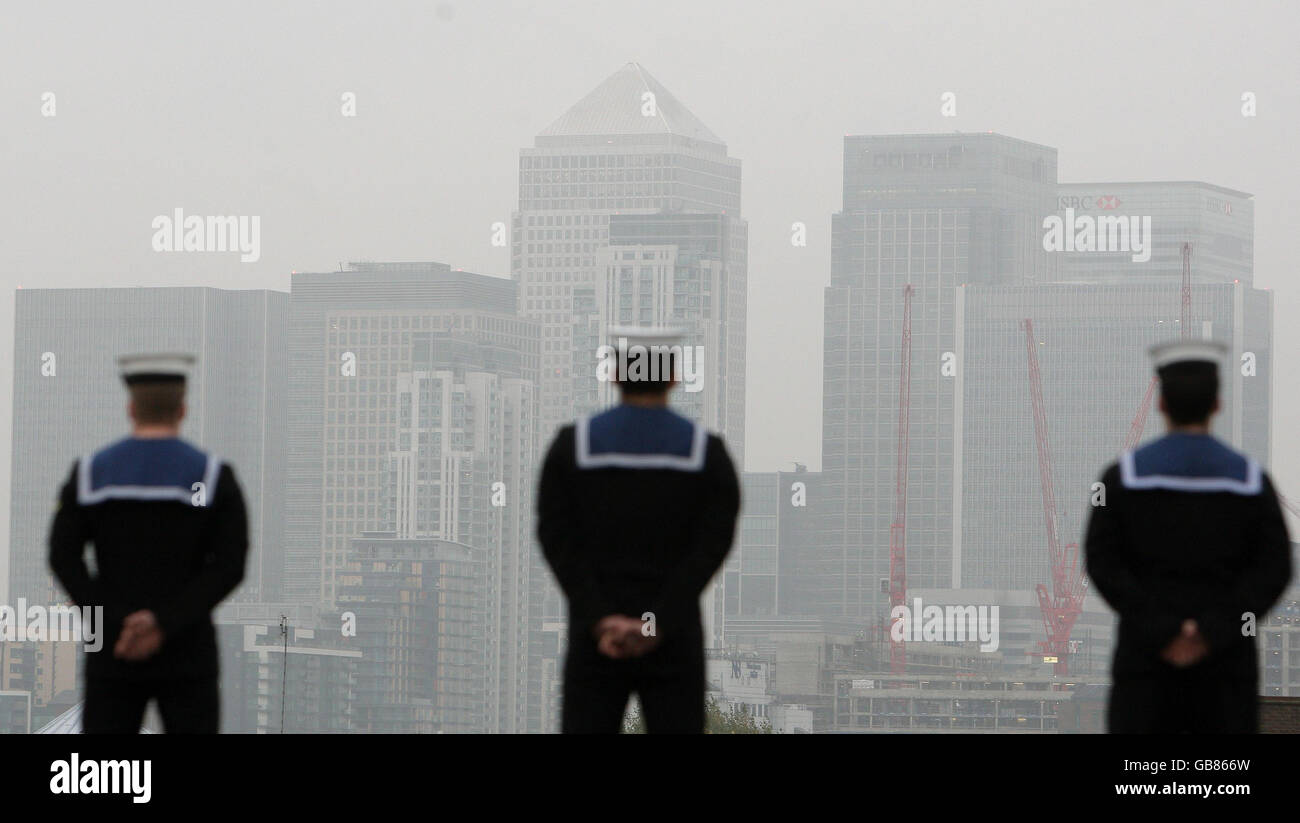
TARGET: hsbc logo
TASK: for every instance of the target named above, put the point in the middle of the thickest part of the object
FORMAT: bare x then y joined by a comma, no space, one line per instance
1103,202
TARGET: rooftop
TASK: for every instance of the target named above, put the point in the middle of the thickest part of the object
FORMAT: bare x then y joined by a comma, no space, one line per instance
616,107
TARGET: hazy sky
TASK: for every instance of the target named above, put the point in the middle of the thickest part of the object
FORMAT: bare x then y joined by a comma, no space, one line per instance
234,108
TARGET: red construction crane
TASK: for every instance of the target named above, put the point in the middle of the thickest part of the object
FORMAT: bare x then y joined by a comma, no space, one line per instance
1062,606
898,529
1140,419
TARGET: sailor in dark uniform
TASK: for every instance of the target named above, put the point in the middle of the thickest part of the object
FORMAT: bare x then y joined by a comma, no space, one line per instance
1190,548
636,513
170,534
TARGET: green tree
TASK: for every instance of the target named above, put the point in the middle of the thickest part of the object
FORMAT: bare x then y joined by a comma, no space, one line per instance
633,722
716,721
734,721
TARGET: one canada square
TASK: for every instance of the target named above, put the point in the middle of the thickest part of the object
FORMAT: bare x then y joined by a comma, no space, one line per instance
624,175
629,213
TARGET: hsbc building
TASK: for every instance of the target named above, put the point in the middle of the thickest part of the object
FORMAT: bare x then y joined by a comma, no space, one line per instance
1219,222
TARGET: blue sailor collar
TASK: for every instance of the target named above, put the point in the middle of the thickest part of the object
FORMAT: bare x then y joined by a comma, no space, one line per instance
631,437
1190,463
148,469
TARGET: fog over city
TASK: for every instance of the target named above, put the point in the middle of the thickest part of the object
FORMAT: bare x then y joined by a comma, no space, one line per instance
350,137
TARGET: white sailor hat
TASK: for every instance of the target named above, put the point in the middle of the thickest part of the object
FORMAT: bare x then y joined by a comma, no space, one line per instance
155,368
1210,352
646,336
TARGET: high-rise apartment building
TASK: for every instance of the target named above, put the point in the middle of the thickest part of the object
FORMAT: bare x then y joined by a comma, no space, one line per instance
420,613
412,396
462,470
686,271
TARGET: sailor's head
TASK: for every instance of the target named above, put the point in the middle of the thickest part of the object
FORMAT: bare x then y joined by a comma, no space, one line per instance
647,360
1189,380
156,383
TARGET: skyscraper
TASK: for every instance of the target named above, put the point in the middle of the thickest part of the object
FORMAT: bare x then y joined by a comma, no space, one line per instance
1092,328
412,394
932,211
629,208
1219,223
687,271
351,333
462,469
967,221
630,147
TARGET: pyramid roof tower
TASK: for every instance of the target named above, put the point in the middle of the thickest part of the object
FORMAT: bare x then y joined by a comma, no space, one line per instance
615,108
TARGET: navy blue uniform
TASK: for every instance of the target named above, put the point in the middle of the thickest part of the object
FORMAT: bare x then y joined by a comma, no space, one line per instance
636,513
1190,530
170,535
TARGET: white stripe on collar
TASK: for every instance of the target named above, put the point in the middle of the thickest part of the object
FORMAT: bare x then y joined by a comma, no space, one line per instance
586,460
1253,483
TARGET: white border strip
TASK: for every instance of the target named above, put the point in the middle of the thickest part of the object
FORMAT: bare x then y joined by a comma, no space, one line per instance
1251,485
692,462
